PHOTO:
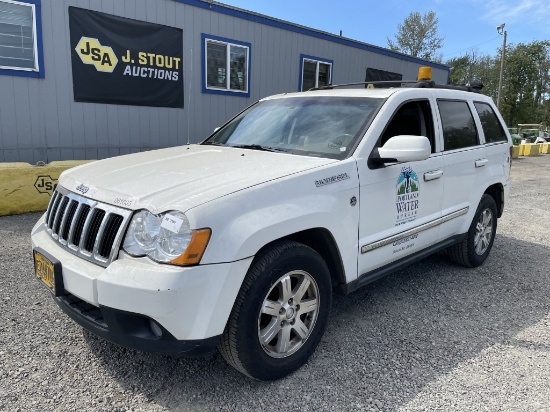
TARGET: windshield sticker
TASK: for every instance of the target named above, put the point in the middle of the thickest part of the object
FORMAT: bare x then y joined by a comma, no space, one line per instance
335,144
171,223
408,195
332,179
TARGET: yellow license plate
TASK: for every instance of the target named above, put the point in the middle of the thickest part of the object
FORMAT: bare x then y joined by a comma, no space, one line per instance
45,270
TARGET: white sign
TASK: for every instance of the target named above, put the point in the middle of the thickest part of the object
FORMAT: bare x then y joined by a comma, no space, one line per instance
171,223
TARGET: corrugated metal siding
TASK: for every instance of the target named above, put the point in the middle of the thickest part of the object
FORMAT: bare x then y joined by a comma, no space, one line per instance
40,121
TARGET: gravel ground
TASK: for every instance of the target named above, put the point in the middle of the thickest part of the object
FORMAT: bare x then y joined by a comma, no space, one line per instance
433,337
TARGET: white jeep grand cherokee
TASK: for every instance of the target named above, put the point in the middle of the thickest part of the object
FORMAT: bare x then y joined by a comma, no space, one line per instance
239,242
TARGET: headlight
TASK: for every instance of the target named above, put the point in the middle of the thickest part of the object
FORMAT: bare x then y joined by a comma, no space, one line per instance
166,238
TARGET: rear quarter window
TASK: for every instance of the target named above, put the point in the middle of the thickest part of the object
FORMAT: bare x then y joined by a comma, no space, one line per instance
492,128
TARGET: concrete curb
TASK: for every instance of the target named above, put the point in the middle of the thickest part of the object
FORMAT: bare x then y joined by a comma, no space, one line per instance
27,188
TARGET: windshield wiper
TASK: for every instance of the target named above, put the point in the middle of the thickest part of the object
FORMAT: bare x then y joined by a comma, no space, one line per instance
258,147
213,143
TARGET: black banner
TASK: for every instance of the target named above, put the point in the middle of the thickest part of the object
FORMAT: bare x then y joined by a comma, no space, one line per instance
123,61
375,75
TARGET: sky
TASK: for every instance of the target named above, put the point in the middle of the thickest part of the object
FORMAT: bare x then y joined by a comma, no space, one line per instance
466,25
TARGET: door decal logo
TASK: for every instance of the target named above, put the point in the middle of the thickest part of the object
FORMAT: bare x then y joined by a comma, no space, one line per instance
408,195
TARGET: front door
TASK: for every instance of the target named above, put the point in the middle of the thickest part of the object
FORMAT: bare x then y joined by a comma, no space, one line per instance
400,202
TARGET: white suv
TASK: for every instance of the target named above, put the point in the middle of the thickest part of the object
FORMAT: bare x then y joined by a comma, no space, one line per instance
239,242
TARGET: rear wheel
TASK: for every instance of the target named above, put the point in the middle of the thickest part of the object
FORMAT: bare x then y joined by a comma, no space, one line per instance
473,250
280,313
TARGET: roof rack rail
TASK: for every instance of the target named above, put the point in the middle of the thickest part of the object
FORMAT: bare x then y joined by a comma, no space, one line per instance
474,87
382,82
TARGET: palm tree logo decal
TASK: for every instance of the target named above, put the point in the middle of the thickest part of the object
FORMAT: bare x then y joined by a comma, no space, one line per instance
407,181
408,196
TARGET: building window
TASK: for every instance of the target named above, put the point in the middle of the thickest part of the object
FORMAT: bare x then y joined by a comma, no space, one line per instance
226,66
315,72
20,38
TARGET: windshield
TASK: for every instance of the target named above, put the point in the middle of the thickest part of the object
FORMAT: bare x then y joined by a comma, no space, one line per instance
315,126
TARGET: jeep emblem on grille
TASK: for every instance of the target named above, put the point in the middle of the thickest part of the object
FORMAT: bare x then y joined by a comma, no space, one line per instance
82,189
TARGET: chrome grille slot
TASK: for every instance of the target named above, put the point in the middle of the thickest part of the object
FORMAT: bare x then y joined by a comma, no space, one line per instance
109,233
86,228
59,215
53,210
77,228
52,201
90,236
68,220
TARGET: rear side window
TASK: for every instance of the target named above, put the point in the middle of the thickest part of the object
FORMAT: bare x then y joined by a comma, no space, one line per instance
492,129
459,129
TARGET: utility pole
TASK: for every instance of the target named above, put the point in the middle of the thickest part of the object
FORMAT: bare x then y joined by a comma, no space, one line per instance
501,31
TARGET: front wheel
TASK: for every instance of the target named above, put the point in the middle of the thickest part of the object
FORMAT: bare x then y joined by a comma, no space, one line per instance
473,250
280,313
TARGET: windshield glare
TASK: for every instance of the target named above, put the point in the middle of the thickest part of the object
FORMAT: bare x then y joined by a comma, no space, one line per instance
316,126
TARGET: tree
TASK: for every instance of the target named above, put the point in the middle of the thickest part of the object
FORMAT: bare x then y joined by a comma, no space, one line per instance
526,83
418,36
473,68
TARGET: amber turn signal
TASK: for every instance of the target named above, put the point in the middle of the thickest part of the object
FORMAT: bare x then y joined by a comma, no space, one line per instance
195,249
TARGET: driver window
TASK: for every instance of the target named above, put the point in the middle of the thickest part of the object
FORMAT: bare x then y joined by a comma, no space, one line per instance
413,118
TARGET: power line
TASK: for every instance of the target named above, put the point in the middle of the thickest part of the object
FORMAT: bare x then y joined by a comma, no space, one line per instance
470,47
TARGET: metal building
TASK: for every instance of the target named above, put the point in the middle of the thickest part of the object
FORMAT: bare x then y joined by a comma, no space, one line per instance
224,60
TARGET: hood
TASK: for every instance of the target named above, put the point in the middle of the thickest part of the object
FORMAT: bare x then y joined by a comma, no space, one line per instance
181,177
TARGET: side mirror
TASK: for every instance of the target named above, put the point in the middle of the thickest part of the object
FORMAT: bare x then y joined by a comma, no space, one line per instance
400,149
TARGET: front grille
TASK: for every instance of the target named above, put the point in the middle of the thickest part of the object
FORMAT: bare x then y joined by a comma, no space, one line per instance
85,227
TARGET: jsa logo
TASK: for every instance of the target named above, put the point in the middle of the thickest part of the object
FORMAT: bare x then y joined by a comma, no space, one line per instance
92,52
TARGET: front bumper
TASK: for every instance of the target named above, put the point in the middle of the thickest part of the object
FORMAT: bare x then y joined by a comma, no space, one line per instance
191,305
130,329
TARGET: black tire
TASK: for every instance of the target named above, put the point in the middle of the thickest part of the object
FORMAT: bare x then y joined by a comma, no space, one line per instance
261,306
473,250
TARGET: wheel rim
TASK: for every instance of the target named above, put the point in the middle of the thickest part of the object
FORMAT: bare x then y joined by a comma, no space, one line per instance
484,232
288,314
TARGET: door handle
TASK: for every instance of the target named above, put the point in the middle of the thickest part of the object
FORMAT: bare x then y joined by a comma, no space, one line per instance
435,174
481,162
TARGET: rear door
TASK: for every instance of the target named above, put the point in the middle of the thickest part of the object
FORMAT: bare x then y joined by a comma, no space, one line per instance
497,145
465,165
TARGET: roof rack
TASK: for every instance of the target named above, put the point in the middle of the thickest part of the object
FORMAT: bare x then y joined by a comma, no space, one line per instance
424,81
474,87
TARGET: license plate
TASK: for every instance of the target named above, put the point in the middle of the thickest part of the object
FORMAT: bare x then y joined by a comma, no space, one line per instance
48,272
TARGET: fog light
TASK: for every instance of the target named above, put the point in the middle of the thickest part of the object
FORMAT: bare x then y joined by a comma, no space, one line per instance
155,328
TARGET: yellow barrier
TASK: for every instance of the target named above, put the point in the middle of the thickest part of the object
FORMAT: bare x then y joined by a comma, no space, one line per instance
515,152
531,149
545,148
522,149
26,188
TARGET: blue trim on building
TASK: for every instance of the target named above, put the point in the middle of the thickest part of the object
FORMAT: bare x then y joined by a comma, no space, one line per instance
40,74
205,36
318,59
258,18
